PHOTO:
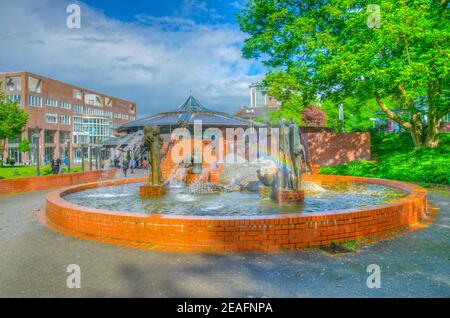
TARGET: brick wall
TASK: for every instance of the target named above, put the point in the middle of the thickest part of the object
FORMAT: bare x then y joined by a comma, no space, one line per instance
324,149
223,234
331,149
8,186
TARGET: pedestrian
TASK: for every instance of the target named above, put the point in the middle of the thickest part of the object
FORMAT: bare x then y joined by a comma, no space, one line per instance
125,167
59,166
132,165
53,166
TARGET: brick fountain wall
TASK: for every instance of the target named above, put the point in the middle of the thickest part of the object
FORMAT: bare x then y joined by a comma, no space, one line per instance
225,234
8,186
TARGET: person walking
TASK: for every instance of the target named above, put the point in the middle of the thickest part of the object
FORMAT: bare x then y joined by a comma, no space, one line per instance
132,165
125,165
59,166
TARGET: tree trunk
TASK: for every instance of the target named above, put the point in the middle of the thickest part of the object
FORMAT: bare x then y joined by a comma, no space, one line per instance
424,134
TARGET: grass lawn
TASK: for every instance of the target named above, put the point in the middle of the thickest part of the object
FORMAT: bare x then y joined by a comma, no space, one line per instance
8,172
396,159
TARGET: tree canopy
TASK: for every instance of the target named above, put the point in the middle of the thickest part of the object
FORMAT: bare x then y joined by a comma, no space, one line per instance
395,53
12,119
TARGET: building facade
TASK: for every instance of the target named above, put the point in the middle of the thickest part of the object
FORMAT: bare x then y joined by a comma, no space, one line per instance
259,98
64,120
261,103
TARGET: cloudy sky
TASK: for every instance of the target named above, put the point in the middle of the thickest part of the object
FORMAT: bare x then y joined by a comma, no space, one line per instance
150,51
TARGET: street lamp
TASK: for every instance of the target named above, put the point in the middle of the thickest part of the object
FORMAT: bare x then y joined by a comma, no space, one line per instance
341,117
37,136
250,111
68,156
82,145
90,156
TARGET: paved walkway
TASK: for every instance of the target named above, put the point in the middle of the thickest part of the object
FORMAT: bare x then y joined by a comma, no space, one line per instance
33,262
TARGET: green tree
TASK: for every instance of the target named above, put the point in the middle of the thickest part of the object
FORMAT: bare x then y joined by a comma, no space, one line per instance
24,145
12,120
395,53
357,113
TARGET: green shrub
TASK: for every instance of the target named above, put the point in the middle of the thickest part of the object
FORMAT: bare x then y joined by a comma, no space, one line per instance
398,160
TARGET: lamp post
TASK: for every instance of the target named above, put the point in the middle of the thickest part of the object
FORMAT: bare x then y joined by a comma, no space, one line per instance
37,136
341,117
90,156
250,111
68,156
82,157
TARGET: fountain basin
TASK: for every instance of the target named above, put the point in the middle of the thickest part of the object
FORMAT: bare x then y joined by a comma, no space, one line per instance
227,233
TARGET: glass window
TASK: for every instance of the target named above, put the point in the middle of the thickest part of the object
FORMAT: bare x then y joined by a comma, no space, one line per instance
65,119
15,98
13,84
34,85
108,101
260,97
65,105
77,94
51,102
34,101
64,137
77,109
93,99
51,118
49,136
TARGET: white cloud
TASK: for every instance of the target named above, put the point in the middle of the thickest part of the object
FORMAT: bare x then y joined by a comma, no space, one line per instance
154,61
200,8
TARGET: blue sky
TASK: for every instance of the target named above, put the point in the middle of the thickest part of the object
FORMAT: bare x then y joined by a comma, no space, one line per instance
151,52
208,11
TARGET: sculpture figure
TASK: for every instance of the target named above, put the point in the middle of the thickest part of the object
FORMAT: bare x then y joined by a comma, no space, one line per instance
283,171
297,151
153,142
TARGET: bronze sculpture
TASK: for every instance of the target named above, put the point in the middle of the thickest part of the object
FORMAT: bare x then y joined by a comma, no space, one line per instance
283,171
153,142
297,152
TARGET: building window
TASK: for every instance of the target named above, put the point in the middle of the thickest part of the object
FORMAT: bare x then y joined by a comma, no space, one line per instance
77,94
34,101
49,153
49,136
77,109
93,99
124,116
117,115
15,98
51,118
34,85
108,114
51,102
13,84
64,119
64,136
65,105
94,129
108,101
